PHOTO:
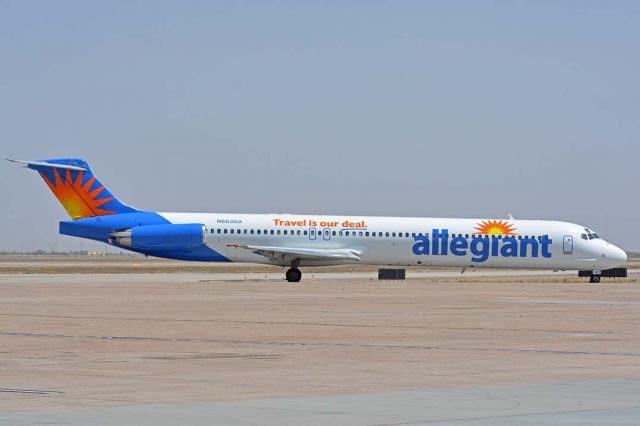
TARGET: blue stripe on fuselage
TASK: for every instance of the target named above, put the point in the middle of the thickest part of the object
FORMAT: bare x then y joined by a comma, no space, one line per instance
100,228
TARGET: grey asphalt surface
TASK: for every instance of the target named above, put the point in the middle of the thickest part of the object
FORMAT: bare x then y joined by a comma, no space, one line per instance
279,276
597,402
198,348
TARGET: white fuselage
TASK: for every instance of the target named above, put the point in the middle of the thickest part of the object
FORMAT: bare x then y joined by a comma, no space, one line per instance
408,241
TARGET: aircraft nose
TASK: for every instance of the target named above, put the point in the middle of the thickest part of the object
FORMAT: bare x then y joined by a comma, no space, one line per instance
620,255
616,255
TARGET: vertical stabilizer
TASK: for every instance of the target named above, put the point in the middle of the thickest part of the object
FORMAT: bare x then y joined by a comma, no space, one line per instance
76,187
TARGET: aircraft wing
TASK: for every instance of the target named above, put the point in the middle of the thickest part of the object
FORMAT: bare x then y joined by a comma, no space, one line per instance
273,253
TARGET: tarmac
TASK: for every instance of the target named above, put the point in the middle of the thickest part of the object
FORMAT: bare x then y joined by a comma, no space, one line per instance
342,348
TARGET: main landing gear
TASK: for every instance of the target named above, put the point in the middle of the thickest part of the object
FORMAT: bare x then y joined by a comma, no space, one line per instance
293,275
594,279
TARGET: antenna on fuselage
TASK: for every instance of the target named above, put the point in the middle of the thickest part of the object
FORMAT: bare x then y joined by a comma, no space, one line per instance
510,216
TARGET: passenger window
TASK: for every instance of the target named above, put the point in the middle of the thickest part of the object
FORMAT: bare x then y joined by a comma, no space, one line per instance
219,231
333,233
304,232
225,231
346,233
285,232
298,232
251,232
278,232
360,233
386,234
366,234
231,231
271,232
340,233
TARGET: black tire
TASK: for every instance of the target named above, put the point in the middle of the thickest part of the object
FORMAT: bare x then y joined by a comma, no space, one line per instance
595,279
294,275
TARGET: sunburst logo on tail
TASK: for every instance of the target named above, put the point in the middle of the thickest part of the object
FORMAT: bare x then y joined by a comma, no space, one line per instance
79,200
495,227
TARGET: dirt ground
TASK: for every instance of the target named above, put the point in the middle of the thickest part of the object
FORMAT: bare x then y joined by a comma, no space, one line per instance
133,264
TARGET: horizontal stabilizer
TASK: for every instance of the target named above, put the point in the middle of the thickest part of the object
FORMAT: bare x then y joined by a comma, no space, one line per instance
35,164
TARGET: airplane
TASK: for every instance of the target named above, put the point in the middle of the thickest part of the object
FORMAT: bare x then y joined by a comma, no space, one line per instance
293,241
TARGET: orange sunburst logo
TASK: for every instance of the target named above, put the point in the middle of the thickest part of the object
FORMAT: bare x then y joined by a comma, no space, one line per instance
493,227
78,199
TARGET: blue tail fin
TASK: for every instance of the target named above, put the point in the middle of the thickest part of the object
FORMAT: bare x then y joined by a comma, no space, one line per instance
76,187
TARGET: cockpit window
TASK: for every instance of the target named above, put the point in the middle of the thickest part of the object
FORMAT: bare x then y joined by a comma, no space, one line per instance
590,235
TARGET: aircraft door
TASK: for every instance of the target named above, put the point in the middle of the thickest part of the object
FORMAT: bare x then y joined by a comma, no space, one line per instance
326,234
567,244
312,233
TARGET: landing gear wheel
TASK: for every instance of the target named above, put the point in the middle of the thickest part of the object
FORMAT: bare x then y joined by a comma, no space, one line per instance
595,279
293,275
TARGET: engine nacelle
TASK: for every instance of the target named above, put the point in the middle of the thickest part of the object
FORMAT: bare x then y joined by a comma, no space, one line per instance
162,237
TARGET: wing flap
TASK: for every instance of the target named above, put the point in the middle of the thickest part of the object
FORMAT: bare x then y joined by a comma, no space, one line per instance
302,253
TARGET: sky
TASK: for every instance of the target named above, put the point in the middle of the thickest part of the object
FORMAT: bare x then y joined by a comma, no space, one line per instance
406,108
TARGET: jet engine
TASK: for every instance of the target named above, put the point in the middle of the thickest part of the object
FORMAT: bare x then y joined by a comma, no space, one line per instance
162,237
